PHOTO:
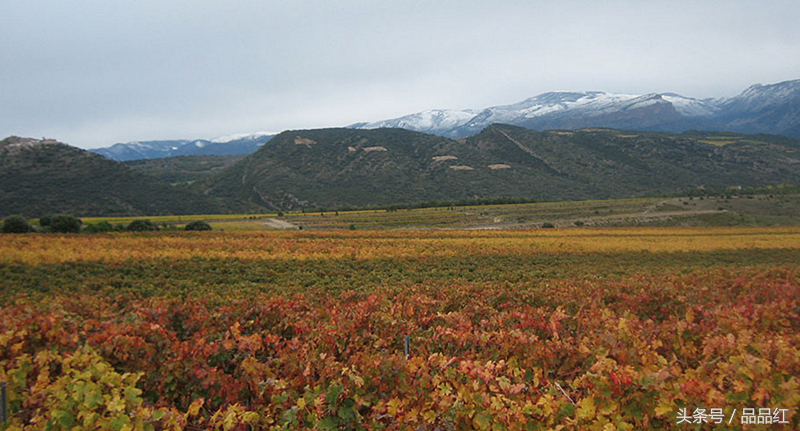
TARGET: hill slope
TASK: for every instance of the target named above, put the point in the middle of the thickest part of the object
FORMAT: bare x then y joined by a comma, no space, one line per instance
347,167
337,167
183,169
40,177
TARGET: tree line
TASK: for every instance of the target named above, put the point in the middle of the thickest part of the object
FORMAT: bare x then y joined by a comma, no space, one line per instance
66,223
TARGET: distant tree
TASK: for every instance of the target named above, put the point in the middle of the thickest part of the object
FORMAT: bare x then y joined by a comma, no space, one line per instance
352,227
63,223
548,225
142,225
16,224
198,225
578,223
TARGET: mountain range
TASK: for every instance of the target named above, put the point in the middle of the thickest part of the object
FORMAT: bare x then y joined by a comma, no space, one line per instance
221,146
771,109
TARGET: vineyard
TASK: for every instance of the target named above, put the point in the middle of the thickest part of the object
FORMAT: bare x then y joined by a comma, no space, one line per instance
546,329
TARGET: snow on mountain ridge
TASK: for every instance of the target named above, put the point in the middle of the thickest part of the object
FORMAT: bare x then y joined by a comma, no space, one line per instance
432,119
759,97
240,136
444,120
690,107
551,105
597,101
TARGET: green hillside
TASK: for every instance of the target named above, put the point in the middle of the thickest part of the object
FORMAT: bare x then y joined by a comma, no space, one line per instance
339,167
346,167
183,169
39,177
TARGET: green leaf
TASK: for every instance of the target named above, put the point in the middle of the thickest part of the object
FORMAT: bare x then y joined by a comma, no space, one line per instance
333,393
328,423
346,411
119,423
566,410
92,400
65,419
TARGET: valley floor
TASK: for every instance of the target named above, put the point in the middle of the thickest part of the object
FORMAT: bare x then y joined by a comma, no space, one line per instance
748,210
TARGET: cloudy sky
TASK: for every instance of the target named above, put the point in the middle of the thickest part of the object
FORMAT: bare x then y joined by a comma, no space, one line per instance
92,73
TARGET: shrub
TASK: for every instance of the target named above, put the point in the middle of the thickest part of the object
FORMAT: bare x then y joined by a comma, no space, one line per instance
16,224
548,225
101,227
352,227
142,225
45,220
198,225
578,223
63,223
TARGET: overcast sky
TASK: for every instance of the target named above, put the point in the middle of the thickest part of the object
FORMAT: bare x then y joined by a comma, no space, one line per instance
92,73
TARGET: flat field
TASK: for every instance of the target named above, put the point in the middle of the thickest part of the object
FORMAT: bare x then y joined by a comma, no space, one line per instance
734,210
597,329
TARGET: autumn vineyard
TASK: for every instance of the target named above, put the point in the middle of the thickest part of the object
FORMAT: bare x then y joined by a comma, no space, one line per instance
545,329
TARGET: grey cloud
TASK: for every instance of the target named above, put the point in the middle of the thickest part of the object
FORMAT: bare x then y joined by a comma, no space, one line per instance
96,72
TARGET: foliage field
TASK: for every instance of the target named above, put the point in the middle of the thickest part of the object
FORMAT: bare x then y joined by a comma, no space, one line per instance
575,329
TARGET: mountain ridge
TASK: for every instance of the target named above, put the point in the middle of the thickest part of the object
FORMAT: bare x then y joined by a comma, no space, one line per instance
39,177
773,108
